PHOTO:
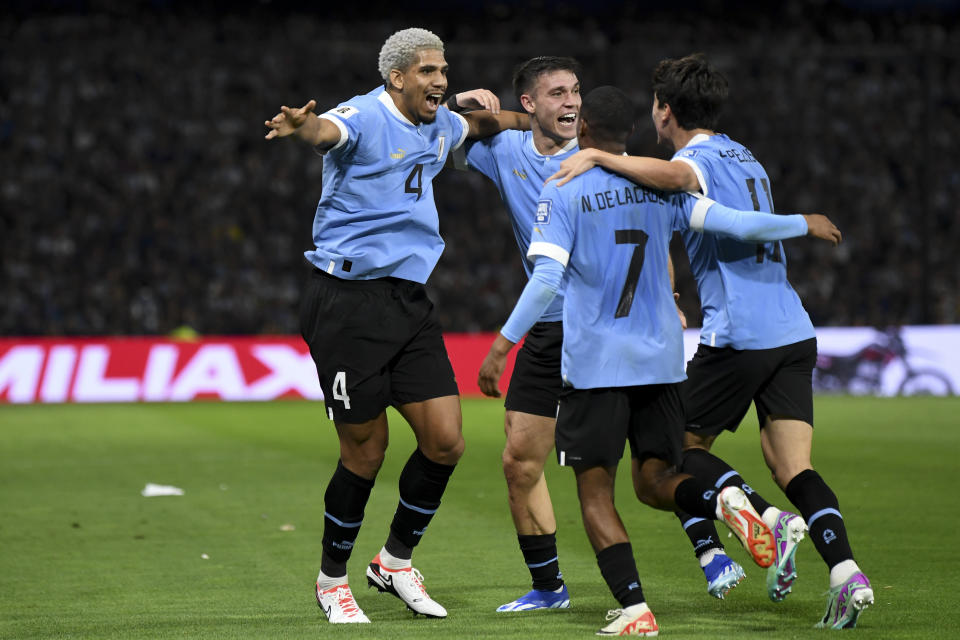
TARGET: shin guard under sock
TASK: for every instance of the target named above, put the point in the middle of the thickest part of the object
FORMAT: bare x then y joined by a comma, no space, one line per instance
422,483
819,507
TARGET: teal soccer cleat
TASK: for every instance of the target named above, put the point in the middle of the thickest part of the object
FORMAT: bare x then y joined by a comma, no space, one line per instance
846,601
787,534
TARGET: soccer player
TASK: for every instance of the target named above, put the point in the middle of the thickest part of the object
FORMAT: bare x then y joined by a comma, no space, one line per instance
365,314
519,162
757,342
608,240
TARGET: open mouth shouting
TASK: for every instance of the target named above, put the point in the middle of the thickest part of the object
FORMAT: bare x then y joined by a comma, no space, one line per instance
567,120
433,100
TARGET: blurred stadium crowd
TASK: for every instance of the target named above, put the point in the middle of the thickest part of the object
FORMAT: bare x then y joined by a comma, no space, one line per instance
138,195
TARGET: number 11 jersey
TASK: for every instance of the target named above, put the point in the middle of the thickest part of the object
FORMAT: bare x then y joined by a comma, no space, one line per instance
745,297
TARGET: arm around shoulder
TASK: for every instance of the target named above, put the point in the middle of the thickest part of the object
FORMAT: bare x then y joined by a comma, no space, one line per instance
649,172
665,175
483,124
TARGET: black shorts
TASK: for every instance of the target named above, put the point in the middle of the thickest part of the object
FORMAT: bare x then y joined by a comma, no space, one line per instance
536,382
376,343
721,383
594,424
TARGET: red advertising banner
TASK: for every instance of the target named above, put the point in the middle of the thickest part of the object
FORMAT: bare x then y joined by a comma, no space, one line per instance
851,360
51,370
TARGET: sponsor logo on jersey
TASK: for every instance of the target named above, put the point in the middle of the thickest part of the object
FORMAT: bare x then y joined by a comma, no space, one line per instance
520,174
398,154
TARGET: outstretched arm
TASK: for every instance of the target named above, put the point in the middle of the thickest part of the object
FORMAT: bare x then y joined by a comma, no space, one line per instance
650,172
536,297
757,226
304,124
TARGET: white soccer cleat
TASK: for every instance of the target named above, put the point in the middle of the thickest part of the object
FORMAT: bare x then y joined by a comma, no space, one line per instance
338,603
635,620
406,584
735,509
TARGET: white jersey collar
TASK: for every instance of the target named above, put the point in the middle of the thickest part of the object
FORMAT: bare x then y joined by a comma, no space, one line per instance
697,139
567,147
391,106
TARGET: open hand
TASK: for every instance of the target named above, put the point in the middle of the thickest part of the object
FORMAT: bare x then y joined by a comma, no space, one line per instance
573,166
288,120
820,226
479,99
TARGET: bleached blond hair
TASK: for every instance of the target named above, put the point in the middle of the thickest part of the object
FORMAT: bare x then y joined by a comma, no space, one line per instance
400,49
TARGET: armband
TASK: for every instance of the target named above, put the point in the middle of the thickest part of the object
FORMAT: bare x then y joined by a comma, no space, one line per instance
453,105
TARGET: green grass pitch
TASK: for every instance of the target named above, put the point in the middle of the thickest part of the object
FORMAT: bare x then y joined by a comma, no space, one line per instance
84,555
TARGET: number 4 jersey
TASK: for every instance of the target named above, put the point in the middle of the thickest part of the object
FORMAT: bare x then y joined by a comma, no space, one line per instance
746,299
376,217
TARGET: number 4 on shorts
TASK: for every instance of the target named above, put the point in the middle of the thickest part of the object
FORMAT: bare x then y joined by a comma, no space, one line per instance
340,389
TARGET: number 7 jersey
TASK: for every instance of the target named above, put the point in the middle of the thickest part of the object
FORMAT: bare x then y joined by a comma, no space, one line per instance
376,217
745,297
620,322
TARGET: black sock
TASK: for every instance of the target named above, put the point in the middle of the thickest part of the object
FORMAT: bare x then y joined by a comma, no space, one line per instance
702,533
619,569
819,507
540,554
697,497
344,502
422,483
705,465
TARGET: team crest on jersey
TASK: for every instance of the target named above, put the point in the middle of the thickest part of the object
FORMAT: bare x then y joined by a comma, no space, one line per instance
344,112
544,207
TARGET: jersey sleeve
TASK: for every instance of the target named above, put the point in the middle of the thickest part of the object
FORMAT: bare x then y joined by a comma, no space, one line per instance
694,158
348,118
553,230
535,298
460,128
751,226
480,156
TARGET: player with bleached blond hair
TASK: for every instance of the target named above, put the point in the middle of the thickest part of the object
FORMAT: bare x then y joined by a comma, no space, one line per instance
365,313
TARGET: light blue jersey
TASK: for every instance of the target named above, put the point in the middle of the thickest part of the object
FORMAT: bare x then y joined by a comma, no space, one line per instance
512,161
746,299
376,217
620,322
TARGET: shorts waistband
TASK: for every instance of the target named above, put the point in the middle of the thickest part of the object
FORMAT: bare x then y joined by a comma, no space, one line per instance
385,282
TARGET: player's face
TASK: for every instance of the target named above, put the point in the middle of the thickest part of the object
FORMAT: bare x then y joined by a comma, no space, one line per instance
556,104
423,85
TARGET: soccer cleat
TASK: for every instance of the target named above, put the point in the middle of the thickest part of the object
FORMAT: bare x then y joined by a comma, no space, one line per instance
635,620
536,599
787,534
338,603
845,603
406,584
722,574
746,524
